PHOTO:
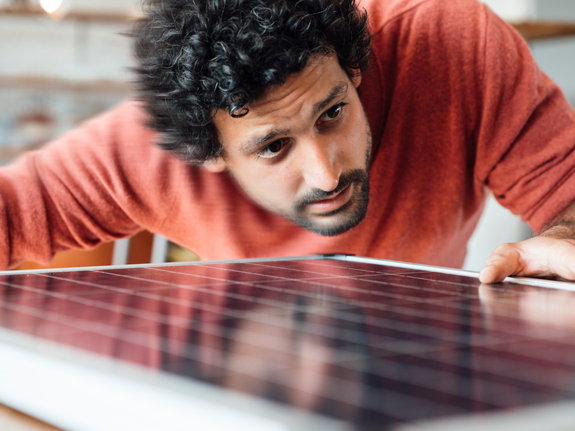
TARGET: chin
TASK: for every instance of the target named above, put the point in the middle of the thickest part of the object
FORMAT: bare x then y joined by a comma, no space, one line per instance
339,221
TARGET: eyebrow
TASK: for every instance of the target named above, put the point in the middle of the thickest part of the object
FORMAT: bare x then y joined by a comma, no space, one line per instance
338,90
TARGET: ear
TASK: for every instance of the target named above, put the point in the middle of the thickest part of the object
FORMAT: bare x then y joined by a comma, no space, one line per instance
215,165
356,78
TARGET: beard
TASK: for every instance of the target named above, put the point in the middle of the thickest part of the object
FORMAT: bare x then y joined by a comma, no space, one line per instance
343,218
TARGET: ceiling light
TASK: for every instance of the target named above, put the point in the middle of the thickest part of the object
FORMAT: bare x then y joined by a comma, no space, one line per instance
51,6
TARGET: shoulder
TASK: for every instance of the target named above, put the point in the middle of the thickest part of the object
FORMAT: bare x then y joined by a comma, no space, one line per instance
114,146
125,123
435,13
427,31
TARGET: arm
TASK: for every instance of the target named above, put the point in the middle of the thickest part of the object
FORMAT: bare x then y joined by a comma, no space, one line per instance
103,181
526,156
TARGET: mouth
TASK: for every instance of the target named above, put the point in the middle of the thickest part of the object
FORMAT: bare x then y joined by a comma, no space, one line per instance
332,204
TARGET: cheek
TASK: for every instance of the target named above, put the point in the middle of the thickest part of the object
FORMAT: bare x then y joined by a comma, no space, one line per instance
282,183
355,140
270,185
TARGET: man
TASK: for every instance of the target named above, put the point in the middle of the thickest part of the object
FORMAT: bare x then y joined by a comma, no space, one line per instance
284,135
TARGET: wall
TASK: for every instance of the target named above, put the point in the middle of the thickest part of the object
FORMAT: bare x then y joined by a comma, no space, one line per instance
56,74
513,10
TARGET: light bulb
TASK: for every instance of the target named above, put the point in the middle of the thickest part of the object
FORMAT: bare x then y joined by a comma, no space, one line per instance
50,6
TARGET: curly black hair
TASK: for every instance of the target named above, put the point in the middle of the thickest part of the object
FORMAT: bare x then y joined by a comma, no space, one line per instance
195,57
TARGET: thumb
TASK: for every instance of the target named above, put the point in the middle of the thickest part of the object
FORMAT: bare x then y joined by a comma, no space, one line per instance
503,262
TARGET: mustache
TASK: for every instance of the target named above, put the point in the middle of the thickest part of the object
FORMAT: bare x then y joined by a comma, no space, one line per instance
354,176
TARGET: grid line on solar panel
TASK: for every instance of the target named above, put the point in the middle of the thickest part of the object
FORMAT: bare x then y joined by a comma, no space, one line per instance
394,404
387,283
345,356
221,280
180,270
246,366
401,346
172,285
247,283
104,305
348,335
186,286
347,265
298,274
315,265
186,324
328,270
407,407
352,289
415,274
297,271
495,368
544,332
384,294
541,356
410,274
124,309
387,402
494,394
162,298
250,365
383,323
358,303
139,293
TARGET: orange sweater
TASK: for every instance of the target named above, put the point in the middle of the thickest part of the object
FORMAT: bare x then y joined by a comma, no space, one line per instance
455,103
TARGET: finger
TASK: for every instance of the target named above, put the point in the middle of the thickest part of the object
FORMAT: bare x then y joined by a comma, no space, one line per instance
503,262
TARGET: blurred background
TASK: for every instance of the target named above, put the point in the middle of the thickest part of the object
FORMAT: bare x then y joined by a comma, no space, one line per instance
63,61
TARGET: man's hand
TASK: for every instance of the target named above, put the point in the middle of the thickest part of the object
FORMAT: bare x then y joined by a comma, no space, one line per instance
551,254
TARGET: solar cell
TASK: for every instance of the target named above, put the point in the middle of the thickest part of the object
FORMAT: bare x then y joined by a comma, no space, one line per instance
307,343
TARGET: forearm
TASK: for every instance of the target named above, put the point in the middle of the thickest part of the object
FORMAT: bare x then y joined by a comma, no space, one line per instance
40,215
103,181
563,227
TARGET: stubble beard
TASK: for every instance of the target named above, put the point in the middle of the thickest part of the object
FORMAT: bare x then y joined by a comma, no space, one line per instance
352,212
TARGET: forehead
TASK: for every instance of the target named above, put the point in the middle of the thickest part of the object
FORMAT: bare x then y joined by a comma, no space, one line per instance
320,74
284,103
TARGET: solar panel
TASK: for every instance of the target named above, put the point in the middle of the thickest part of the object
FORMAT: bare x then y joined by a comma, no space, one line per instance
322,342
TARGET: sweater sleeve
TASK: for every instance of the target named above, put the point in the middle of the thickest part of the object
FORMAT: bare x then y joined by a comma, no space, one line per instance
526,139
103,181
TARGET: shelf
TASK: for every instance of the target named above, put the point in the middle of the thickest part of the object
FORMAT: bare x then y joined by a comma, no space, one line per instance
530,30
540,30
72,15
39,82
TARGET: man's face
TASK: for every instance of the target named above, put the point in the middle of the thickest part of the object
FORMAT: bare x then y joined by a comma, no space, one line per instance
303,149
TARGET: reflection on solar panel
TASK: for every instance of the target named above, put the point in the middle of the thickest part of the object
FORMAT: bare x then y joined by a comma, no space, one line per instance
284,344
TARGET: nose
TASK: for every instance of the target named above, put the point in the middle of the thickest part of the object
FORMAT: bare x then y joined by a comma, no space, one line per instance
321,168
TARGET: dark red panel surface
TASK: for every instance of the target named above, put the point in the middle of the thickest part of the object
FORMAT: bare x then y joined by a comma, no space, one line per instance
370,344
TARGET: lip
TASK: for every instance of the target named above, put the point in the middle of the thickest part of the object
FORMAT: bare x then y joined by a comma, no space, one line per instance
332,204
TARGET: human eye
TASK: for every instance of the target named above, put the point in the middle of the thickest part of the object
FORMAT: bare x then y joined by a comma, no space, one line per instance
274,149
333,113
